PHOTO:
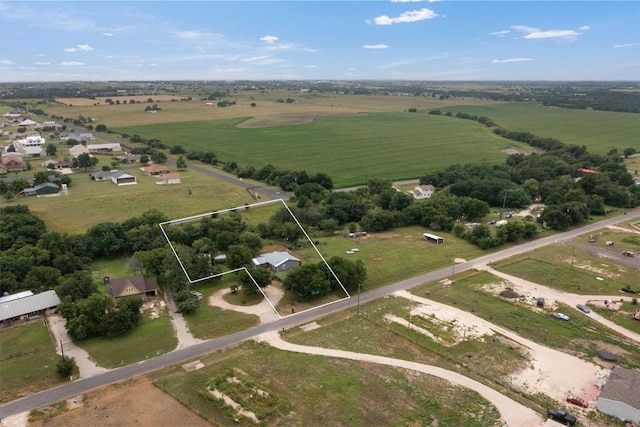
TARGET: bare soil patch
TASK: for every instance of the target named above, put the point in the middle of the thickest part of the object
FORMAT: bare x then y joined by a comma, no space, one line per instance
136,402
516,150
291,119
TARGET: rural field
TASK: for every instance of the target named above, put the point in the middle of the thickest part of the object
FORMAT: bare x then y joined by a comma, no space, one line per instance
353,138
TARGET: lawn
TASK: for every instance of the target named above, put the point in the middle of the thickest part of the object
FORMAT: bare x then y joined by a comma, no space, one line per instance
599,131
151,338
395,254
211,322
28,360
330,392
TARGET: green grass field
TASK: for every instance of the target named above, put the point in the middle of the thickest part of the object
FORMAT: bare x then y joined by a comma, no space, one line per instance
212,322
599,131
349,149
151,338
90,202
28,360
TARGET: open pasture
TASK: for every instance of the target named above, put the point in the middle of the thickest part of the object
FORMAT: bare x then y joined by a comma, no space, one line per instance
266,105
351,150
599,131
104,201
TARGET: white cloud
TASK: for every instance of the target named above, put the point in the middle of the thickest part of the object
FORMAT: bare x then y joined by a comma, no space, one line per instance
42,63
500,33
375,46
189,34
503,61
410,16
584,28
5,62
107,34
535,34
71,63
269,39
79,48
617,46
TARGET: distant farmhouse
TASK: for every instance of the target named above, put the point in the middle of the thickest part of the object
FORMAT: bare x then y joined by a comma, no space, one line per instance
422,192
12,162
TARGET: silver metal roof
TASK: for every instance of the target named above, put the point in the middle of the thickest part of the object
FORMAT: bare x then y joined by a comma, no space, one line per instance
29,304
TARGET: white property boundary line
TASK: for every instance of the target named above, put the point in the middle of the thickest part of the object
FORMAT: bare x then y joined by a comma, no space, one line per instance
210,214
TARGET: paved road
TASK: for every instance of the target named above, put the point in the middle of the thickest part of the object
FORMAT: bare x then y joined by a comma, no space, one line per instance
59,393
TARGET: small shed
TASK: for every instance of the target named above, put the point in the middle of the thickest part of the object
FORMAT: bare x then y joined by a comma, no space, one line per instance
432,238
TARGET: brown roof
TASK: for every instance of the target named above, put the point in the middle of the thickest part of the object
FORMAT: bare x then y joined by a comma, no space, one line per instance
130,286
155,169
623,385
174,175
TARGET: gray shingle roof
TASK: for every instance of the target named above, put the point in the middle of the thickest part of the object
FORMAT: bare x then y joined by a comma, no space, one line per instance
623,385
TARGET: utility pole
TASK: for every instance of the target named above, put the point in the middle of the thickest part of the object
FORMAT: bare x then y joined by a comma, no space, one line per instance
359,284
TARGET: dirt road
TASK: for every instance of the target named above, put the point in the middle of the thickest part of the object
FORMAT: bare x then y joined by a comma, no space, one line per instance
513,413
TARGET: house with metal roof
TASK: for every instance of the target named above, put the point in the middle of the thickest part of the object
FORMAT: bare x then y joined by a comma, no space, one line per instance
276,261
620,396
27,306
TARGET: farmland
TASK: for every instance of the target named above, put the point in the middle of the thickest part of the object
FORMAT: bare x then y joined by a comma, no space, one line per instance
353,138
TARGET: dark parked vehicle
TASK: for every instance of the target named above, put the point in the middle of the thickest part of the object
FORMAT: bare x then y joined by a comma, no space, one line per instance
540,302
561,416
583,308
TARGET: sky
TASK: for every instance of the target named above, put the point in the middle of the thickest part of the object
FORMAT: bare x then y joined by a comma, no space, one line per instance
319,40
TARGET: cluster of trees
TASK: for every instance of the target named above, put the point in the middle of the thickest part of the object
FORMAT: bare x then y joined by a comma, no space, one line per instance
286,179
97,315
316,280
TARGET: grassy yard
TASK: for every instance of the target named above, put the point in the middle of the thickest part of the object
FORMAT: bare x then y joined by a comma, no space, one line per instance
211,322
151,338
341,392
395,254
28,360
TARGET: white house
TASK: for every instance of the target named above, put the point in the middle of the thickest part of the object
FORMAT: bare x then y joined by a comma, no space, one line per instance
423,191
30,141
620,396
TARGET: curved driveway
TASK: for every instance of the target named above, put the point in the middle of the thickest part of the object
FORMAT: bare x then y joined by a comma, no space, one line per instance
59,393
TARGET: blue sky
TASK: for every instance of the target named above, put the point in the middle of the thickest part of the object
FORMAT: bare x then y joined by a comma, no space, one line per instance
343,40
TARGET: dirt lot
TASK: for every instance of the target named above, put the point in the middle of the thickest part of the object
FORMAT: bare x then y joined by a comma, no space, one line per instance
136,402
